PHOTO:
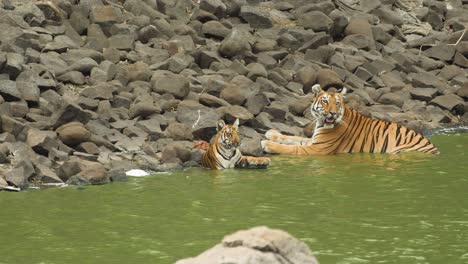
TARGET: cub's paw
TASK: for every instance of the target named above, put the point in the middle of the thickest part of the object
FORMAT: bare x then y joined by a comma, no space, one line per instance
265,161
273,134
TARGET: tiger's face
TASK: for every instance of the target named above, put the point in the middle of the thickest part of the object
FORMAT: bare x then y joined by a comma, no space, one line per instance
227,134
328,107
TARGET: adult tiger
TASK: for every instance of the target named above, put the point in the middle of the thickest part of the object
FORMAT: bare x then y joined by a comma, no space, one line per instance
340,129
223,151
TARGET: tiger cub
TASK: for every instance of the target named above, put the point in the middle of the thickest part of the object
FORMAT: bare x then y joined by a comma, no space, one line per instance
340,129
223,151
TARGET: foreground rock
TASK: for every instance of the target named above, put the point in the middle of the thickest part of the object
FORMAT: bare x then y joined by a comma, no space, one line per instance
256,245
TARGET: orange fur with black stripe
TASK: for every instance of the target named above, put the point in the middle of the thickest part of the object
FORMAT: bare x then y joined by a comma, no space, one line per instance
340,129
223,151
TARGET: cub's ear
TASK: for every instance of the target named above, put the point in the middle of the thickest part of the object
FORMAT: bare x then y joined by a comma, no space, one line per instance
220,125
236,123
316,89
343,91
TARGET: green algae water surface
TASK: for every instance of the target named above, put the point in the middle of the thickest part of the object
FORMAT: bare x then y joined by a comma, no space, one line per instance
360,208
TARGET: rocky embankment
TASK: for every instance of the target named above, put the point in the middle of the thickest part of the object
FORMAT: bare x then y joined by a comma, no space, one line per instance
91,88
260,245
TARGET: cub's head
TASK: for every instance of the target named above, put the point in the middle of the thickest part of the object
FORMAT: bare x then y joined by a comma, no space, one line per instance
227,134
328,107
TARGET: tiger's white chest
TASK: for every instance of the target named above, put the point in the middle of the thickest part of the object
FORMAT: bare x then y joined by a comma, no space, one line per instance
231,162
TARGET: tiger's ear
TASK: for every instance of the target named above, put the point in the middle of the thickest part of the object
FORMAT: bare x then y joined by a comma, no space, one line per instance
316,89
236,123
343,91
220,125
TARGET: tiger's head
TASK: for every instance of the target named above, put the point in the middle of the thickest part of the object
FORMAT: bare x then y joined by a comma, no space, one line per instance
328,107
227,134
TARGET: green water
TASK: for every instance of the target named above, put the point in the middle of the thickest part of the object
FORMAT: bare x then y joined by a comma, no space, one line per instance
360,208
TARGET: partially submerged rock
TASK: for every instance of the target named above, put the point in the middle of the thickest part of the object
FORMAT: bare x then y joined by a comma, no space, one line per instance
256,245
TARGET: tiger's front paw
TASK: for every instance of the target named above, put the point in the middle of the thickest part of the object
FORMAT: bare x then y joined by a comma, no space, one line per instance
273,134
265,144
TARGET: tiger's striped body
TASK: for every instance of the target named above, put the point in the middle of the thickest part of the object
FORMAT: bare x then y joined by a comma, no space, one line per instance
223,151
341,129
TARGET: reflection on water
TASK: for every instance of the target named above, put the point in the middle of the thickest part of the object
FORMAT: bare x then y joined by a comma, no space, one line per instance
358,208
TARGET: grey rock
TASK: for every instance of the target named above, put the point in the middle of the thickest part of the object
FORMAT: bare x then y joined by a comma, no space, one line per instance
88,147
264,45
96,39
139,71
9,90
179,131
450,102
315,20
315,41
200,118
18,177
61,44
124,42
152,127
441,52
233,112
233,94
256,70
179,62
256,16
84,65
69,112
360,26
216,7
103,91
393,99
174,84
423,94
143,109
259,245
53,62
215,29
79,22
449,72
46,175
277,110
18,108
288,41
138,8
145,34
105,14
255,104
73,133
212,101
460,60
392,81
74,77
251,147
117,175
425,79
320,54
236,43
323,6
14,64
358,41
42,142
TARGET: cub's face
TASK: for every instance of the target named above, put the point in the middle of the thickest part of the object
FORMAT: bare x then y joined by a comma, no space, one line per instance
328,107
227,134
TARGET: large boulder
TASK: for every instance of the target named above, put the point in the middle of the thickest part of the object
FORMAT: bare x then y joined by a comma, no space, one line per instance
256,245
174,84
73,133
236,43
